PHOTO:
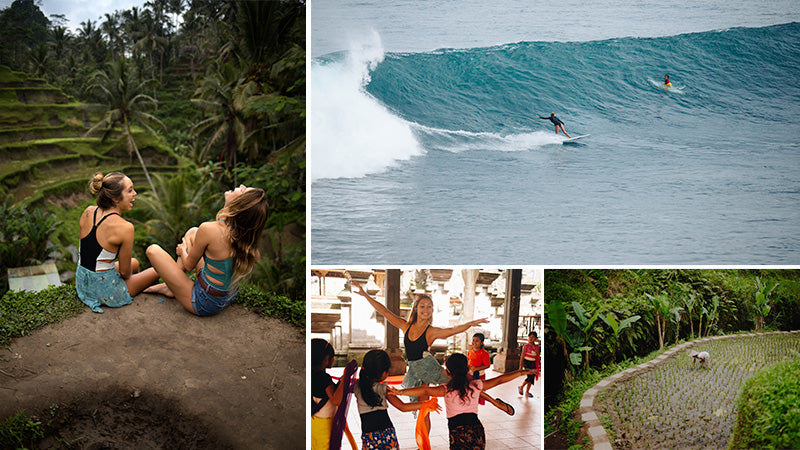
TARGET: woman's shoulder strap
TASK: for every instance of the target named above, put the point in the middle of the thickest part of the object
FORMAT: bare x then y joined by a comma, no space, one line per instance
105,217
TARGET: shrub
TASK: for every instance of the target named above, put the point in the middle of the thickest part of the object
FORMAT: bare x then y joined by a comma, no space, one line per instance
25,311
19,430
273,305
769,409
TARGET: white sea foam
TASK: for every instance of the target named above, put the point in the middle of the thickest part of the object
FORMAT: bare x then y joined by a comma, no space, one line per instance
460,140
350,133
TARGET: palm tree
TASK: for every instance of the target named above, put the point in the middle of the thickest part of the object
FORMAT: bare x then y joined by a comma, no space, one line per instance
60,38
123,95
176,7
92,40
178,203
133,25
221,95
150,43
40,61
111,28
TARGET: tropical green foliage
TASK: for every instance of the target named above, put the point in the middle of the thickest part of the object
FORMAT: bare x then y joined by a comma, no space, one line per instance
24,235
723,299
769,416
226,87
120,90
762,304
22,26
178,203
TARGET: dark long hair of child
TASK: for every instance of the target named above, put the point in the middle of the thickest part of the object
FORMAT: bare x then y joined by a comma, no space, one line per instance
320,348
458,367
375,363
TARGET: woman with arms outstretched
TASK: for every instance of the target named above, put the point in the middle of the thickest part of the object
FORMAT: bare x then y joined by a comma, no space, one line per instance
228,248
418,335
104,236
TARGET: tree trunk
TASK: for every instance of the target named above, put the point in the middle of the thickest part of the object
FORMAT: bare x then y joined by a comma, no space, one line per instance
132,146
660,333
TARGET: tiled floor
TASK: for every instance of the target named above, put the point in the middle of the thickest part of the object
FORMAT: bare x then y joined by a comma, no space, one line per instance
522,430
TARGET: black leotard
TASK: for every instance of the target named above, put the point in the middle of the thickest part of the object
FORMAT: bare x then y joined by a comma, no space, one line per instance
91,252
556,121
414,349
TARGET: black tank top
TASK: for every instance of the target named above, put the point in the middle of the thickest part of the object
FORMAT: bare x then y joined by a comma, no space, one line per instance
90,249
414,349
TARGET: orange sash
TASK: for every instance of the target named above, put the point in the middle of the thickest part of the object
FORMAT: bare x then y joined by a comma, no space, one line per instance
423,440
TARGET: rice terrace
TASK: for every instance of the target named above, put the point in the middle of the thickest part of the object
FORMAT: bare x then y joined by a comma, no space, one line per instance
677,404
672,358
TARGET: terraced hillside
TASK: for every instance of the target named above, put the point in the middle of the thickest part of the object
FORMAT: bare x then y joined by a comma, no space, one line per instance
44,151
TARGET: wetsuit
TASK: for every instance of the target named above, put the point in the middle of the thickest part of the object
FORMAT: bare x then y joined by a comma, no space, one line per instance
556,121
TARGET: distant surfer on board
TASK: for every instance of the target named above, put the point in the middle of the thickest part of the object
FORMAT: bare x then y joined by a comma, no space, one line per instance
557,122
666,81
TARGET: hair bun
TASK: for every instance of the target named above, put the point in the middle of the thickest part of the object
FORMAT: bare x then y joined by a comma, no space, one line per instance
97,183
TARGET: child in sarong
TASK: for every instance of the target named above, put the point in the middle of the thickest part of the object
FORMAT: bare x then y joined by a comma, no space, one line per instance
461,396
377,430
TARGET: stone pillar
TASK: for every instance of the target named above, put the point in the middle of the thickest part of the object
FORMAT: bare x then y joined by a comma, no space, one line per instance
470,277
392,291
508,358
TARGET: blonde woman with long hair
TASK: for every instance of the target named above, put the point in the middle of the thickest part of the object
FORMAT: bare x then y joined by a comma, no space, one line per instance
101,279
222,252
418,335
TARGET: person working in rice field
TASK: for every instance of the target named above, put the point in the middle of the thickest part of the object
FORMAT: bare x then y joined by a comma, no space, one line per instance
557,122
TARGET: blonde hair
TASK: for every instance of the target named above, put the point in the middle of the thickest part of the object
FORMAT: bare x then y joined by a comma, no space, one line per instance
245,217
108,188
420,297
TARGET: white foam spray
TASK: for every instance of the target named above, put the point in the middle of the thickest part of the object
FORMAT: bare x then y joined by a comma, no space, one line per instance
350,133
460,140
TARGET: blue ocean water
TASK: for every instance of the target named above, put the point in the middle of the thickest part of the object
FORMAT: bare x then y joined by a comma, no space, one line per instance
437,156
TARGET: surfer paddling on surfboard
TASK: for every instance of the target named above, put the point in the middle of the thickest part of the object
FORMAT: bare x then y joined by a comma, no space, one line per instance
666,81
557,122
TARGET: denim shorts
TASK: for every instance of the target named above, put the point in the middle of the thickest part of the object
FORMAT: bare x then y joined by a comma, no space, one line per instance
205,304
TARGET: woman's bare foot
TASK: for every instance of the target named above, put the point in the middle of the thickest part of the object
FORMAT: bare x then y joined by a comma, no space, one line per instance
160,288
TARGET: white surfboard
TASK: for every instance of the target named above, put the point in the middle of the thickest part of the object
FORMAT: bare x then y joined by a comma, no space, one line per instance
573,139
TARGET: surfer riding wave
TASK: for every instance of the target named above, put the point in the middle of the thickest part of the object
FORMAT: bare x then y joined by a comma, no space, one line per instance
557,122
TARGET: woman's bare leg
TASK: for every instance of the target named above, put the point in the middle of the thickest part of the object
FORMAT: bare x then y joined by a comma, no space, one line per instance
423,398
173,275
137,282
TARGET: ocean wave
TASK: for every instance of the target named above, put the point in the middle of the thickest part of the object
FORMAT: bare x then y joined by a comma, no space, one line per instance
350,133
369,109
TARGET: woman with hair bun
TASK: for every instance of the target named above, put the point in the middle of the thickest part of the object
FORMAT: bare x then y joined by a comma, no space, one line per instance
228,248
104,236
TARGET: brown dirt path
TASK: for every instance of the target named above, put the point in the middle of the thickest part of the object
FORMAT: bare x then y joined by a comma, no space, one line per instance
236,378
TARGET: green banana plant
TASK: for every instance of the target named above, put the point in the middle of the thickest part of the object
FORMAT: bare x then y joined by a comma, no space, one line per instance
763,307
618,327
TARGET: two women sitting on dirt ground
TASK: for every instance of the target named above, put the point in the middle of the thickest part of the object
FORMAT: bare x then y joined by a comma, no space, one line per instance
222,252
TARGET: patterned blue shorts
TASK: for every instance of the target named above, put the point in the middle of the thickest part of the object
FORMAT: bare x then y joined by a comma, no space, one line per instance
101,289
380,440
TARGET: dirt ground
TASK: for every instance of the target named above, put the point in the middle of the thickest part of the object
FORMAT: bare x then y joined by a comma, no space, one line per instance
152,375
